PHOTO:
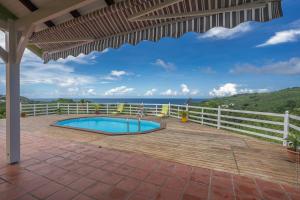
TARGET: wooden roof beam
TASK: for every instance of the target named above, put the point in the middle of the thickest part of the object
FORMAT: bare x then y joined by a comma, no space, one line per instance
70,40
3,25
166,3
109,2
32,7
53,9
252,5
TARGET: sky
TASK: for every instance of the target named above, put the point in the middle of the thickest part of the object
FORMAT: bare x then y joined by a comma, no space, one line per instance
253,57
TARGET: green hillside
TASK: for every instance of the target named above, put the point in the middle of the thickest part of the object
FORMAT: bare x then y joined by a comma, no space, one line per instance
278,101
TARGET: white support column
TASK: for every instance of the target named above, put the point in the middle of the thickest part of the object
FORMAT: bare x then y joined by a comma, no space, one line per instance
286,127
202,110
87,107
12,96
169,109
219,118
47,109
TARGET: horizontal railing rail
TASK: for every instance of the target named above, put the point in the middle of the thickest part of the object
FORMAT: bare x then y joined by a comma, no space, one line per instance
268,125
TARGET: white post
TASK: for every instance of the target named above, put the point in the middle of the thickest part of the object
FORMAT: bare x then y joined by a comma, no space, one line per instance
68,107
202,110
12,96
286,127
47,109
87,107
219,118
178,112
169,108
187,110
77,111
107,109
21,109
34,112
156,109
129,109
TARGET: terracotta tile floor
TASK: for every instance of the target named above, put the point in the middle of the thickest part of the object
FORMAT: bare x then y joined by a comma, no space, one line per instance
56,168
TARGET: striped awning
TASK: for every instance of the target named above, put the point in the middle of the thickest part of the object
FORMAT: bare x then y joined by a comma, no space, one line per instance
132,21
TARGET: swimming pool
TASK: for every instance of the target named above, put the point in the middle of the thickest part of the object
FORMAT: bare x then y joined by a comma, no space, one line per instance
110,125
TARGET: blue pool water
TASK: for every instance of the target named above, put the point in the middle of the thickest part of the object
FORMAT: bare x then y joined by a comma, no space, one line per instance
109,125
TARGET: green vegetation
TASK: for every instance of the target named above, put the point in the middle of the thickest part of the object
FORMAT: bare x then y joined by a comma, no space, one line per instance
277,102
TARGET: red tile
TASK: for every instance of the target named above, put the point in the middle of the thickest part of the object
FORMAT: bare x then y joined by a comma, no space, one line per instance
138,197
81,184
169,194
191,197
124,170
98,163
128,184
68,178
219,194
175,183
197,189
156,178
84,170
139,174
12,193
111,178
97,190
147,189
117,194
46,190
82,197
97,174
27,197
65,194
110,166
201,175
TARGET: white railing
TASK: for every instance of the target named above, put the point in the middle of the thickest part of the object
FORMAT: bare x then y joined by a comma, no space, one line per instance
273,126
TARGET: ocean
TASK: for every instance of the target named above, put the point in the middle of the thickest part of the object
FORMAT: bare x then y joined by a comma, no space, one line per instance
136,100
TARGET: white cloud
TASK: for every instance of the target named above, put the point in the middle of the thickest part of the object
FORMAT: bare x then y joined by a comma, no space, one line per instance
115,75
184,88
169,92
229,89
220,33
292,35
194,92
80,59
118,91
165,65
91,91
150,92
288,67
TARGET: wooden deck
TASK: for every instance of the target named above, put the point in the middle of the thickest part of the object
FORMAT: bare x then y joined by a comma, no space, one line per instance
189,143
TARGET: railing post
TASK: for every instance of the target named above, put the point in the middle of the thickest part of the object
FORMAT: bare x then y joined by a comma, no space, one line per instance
107,109
21,107
169,109
187,110
286,127
68,107
219,118
87,107
156,109
129,109
178,112
33,109
77,111
47,109
202,110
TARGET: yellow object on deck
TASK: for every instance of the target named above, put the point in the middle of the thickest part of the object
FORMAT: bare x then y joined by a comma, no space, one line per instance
164,111
120,108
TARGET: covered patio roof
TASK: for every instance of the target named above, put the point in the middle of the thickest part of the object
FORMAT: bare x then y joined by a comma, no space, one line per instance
100,24
58,28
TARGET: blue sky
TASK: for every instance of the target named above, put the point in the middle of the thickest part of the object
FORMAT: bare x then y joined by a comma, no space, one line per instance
253,57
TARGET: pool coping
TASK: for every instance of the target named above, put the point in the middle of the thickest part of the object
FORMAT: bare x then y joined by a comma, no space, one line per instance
162,126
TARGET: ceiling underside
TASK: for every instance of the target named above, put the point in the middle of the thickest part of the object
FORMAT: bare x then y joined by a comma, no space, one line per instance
132,21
